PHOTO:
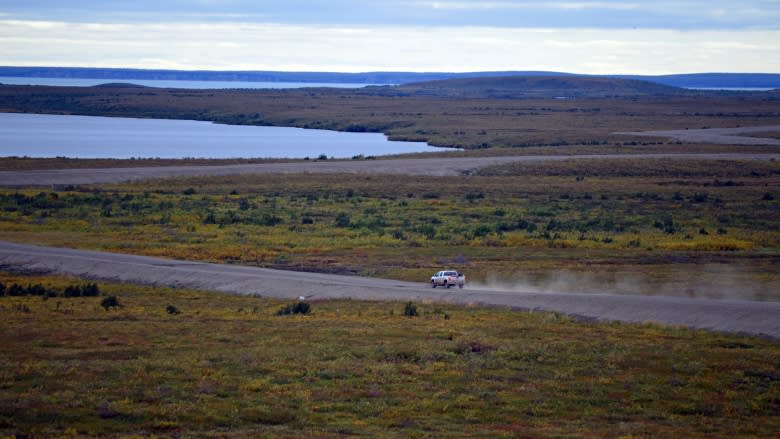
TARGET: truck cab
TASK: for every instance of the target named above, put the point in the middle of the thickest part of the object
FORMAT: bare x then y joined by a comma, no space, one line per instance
448,278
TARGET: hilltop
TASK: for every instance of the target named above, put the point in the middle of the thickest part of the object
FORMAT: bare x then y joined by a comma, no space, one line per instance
513,87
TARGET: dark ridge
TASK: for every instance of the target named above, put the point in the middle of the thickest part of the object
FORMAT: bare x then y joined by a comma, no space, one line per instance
714,80
119,85
511,87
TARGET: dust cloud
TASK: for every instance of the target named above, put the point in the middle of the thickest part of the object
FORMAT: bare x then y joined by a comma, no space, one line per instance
710,281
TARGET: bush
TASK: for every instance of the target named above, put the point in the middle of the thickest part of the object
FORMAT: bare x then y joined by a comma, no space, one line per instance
410,310
110,302
472,196
482,231
90,290
87,290
428,231
342,220
71,291
700,197
270,220
15,290
473,347
295,308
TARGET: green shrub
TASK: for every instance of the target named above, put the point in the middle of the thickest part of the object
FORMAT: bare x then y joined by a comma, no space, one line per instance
482,231
110,302
295,308
71,291
472,196
90,290
87,290
410,310
342,220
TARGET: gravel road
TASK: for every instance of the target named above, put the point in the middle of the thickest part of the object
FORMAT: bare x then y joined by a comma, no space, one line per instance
428,166
758,318
722,136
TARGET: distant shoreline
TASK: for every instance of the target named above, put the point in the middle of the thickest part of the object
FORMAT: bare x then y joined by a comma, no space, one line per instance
750,81
219,84
172,83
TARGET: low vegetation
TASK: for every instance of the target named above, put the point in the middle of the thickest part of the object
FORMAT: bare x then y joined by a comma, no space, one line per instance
690,227
230,366
472,114
15,290
128,360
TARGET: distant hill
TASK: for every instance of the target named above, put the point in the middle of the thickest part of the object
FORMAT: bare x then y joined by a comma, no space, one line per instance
119,85
695,80
509,87
714,80
381,78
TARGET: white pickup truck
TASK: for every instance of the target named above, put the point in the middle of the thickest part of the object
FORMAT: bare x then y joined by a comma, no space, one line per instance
448,278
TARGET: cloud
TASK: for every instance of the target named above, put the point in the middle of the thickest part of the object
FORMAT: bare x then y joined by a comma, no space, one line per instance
573,5
656,14
273,46
614,14
619,6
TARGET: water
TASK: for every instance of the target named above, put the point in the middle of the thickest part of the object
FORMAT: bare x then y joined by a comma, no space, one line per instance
728,88
88,82
44,135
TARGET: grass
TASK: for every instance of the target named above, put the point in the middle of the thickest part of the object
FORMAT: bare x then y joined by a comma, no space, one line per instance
230,366
471,123
691,227
170,362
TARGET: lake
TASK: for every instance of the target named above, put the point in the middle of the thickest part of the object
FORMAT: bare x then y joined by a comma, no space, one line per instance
44,135
89,82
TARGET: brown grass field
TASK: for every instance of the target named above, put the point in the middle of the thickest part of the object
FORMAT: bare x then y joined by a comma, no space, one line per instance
180,363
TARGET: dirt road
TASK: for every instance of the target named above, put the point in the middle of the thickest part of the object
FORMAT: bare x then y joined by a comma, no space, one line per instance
722,136
428,166
760,318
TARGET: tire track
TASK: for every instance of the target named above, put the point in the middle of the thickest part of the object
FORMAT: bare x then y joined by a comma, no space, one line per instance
755,318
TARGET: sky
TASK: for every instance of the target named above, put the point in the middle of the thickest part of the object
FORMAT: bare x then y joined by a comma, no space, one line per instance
590,37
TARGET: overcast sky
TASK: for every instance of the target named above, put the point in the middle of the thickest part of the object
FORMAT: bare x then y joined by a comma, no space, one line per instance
599,37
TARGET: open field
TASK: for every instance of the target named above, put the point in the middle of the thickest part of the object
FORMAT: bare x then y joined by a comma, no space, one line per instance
175,362
644,226
44,172
179,362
